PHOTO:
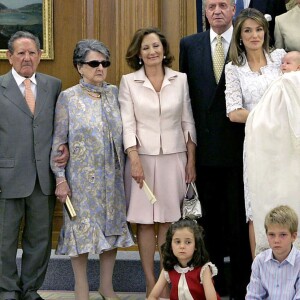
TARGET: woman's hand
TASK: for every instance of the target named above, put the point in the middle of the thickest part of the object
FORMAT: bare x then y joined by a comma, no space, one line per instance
62,189
190,172
137,171
238,115
190,169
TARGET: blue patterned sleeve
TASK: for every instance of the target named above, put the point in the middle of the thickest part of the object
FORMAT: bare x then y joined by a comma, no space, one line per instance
115,92
61,129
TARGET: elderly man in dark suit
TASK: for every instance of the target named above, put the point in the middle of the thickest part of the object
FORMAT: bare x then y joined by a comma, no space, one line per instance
26,181
219,150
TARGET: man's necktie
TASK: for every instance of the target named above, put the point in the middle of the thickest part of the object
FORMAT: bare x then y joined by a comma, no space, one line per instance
29,95
218,58
239,6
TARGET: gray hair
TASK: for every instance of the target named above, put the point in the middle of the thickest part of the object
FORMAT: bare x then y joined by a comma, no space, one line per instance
83,47
232,2
20,35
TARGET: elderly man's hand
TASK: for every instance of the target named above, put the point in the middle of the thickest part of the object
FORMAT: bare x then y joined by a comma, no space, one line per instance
62,159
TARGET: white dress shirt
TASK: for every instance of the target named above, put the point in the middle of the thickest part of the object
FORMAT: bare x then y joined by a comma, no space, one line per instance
226,39
20,82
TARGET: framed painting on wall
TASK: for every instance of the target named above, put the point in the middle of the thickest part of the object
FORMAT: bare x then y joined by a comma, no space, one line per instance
35,16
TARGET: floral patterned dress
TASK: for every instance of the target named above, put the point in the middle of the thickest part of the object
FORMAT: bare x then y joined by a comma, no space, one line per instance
92,127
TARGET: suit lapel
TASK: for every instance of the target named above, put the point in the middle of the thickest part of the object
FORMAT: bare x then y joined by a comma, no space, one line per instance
209,69
221,83
41,95
205,55
13,94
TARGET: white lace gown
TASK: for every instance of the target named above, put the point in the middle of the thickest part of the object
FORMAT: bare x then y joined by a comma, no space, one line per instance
244,89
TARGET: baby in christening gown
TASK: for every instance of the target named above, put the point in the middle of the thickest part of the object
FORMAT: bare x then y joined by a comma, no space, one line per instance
291,62
272,144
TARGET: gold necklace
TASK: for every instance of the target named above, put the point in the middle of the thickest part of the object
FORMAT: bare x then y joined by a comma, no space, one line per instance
92,94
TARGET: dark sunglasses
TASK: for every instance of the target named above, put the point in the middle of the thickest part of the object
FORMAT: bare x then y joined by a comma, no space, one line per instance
96,63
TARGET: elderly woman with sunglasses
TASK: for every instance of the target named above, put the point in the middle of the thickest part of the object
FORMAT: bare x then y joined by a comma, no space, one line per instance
87,117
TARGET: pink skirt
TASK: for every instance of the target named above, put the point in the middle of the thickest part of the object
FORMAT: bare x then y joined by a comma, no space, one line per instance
165,176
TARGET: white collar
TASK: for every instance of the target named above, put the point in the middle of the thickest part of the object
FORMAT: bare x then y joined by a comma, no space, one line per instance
225,35
19,79
181,270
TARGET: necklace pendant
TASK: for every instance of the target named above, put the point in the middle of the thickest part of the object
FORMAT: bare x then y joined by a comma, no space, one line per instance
90,93
94,95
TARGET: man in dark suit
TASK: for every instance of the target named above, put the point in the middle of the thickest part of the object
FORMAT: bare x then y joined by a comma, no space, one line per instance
26,181
271,7
219,151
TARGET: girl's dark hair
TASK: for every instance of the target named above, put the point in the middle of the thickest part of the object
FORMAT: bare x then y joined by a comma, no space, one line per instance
200,256
134,49
237,47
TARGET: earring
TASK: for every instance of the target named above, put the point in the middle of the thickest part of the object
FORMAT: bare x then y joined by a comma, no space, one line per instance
164,57
241,42
140,62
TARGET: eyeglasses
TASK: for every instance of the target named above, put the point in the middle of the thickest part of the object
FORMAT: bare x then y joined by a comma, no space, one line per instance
96,63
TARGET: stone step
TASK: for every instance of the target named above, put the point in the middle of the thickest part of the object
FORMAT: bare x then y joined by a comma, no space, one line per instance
128,274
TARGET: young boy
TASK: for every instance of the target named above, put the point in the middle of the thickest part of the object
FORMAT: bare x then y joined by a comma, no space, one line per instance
276,271
290,62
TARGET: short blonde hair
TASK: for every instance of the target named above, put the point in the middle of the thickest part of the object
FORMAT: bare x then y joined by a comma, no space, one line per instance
282,215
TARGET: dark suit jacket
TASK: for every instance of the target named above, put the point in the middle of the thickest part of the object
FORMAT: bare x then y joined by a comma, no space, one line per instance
271,7
219,141
25,140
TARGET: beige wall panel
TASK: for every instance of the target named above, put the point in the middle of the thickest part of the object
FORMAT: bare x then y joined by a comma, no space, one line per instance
178,20
69,27
115,22
190,21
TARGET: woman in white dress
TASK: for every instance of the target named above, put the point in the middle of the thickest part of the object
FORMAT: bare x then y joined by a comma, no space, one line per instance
252,68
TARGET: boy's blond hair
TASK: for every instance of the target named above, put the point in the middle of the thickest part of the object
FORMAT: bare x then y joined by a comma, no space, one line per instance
282,215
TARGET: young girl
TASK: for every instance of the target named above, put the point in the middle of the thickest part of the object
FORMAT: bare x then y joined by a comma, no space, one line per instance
186,264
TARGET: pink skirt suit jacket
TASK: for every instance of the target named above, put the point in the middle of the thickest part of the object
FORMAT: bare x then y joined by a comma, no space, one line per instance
159,124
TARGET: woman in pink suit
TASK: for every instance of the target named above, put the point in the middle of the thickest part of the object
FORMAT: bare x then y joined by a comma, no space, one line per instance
160,141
